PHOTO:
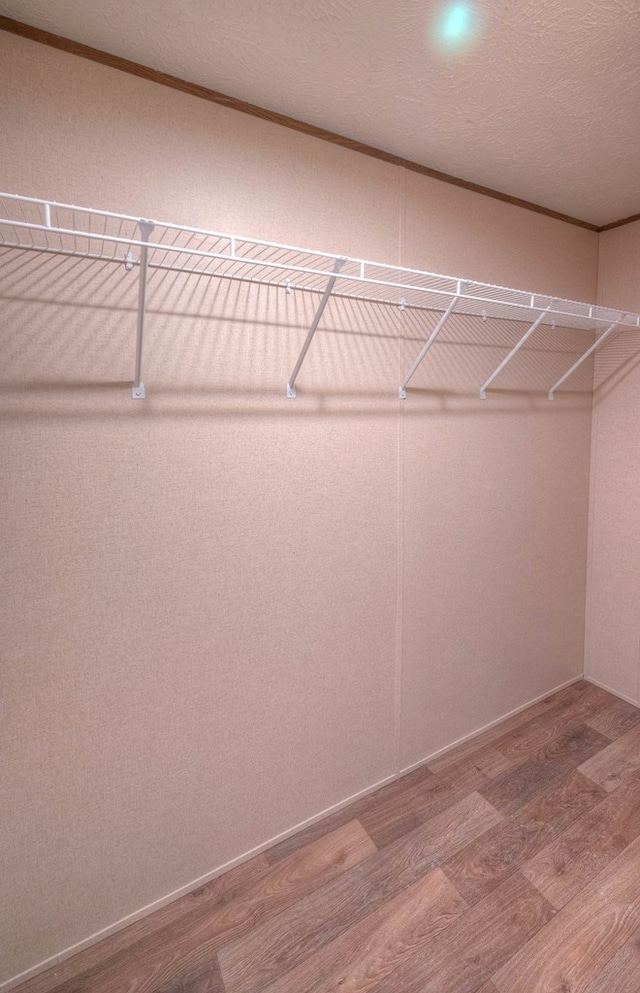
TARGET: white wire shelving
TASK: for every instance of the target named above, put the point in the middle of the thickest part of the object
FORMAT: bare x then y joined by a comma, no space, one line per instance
31,224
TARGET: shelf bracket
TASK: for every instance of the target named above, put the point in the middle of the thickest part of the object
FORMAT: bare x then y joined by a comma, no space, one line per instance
291,385
601,340
402,390
516,348
146,227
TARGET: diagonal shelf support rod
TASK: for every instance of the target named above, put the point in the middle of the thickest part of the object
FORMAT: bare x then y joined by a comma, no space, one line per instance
601,340
291,385
146,227
402,391
516,348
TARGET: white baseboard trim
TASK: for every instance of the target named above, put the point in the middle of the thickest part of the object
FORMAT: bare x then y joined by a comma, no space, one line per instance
195,884
610,689
487,727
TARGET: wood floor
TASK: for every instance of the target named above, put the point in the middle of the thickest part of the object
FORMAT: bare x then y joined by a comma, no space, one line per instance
510,865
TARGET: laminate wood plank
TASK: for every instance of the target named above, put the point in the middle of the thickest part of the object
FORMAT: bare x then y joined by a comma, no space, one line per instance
621,974
558,721
469,749
458,825
619,761
572,949
367,952
192,941
616,719
394,791
289,912
218,892
490,761
282,943
476,754
516,786
563,699
462,958
386,822
561,869
204,979
310,834
482,865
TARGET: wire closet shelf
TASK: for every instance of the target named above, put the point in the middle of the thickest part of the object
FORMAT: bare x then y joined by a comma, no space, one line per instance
32,224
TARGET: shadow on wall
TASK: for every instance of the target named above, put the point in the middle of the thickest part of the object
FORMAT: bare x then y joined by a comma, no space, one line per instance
616,361
70,329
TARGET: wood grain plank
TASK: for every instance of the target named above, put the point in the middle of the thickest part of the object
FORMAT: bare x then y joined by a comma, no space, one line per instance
615,720
488,988
563,699
192,942
219,892
392,792
367,952
572,949
516,786
458,825
490,761
204,979
477,753
483,864
558,721
462,958
562,868
386,822
622,972
278,945
619,761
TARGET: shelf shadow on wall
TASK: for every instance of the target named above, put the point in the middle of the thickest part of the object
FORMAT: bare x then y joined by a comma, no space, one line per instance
77,400
70,337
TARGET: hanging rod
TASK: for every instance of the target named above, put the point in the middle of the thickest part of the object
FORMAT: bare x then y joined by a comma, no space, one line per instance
47,226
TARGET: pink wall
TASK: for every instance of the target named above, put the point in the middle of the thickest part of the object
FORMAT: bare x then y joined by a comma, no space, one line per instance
228,612
613,625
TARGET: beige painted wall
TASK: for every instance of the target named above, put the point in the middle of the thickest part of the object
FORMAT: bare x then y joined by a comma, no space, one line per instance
225,612
613,622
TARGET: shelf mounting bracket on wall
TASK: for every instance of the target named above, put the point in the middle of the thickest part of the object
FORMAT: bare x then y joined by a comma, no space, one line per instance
31,224
601,340
402,390
146,227
291,385
516,348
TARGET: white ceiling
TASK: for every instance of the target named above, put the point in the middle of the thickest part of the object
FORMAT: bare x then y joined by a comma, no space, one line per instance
539,99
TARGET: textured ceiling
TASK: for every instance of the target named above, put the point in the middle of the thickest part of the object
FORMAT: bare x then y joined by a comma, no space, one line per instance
539,99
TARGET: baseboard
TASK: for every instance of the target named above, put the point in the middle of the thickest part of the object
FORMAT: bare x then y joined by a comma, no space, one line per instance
195,884
93,939
609,689
487,727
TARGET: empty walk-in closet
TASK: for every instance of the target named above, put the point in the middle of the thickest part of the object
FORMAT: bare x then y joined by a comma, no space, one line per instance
234,603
